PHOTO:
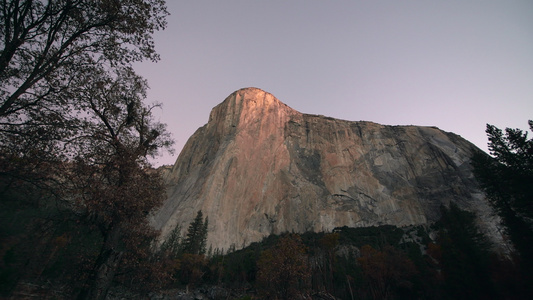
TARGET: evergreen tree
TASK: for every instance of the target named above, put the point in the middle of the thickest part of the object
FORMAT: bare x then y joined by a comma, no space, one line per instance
196,238
192,259
171,246
203,240
465,256
507,177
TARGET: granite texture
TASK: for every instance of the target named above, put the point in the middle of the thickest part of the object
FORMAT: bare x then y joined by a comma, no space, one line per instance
259,167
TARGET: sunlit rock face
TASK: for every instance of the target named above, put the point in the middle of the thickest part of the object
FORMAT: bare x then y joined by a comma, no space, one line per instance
260,167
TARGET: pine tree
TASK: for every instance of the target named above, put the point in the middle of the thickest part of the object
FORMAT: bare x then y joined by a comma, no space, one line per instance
171,246
465,256
203,244
196,238
508,174
506,177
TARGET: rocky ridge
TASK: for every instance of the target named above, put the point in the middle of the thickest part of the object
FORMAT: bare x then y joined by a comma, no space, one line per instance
260,167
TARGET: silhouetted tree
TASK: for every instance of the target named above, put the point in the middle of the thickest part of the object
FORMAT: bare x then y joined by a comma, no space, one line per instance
72,117
196,238
110,179
506,178
463,253
48,50
47,43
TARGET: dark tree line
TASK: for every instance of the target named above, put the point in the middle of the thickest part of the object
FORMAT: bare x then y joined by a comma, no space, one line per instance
371,263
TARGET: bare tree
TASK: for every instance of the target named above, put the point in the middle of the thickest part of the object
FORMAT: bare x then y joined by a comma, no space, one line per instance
47,50
112,183
73,117
45,43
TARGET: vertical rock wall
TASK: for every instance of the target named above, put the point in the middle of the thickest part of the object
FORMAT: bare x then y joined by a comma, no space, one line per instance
259,167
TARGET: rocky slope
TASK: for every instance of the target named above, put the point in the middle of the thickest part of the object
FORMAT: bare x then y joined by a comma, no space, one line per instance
259,167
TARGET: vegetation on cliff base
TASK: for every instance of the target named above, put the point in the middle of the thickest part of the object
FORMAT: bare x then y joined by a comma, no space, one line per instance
382,262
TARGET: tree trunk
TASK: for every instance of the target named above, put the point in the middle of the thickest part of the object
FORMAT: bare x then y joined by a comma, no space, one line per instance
105,267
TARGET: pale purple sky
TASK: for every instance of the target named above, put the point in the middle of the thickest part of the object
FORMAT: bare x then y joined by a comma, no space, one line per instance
452,64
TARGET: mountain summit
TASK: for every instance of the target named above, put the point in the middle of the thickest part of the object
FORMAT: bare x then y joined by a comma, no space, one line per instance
259,167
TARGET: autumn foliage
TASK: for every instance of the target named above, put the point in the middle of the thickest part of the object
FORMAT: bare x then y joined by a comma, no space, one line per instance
283,271
386,273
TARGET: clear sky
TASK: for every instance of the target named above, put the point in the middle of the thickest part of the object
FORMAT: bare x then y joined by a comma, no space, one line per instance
452,64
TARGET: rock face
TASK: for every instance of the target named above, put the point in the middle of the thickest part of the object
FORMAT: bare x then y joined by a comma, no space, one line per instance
259,167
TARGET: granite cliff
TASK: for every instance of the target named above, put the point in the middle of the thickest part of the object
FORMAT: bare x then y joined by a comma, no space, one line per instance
259,167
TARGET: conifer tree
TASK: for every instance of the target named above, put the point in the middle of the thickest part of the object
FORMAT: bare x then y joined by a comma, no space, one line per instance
196,238
506,177
465,256
171,246
203,244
